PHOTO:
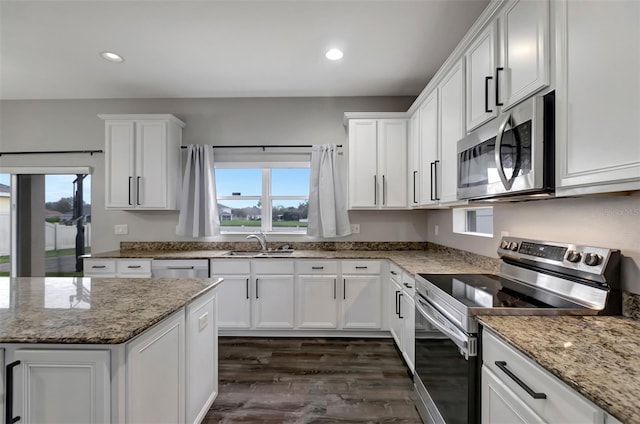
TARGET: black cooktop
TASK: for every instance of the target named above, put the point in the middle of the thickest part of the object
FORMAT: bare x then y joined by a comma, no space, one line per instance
493,291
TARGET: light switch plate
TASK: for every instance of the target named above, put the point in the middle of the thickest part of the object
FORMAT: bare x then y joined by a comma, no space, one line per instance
355,228
121,229
203,321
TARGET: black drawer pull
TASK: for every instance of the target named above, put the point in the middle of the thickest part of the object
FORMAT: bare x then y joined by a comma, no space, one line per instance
362,267
134,266
317,267
407,285
180,267
393,273
503,366
9,418
98,266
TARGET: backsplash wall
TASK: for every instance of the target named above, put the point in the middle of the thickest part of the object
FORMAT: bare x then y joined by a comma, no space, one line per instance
606,221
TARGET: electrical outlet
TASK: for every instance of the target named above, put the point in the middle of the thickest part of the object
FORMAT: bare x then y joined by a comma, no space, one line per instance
203,321
121,229
355,228
436,229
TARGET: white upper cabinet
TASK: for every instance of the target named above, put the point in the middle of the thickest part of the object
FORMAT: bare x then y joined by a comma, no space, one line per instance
508,61
413,160
377,163
597,97
428,149
142,169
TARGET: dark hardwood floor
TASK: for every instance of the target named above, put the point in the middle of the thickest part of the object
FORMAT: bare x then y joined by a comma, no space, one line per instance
309,380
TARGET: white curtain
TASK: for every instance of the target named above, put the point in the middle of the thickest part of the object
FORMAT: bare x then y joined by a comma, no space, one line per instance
198,205
328,216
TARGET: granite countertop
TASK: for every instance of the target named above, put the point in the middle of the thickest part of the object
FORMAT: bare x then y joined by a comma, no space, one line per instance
90,310
597,356
412,261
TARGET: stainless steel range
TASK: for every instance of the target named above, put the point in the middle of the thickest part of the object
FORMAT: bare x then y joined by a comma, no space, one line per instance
535,278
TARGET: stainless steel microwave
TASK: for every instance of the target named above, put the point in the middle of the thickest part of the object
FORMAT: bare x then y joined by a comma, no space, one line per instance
512,155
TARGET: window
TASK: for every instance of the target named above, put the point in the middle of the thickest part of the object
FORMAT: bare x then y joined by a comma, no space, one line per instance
473,221
259,197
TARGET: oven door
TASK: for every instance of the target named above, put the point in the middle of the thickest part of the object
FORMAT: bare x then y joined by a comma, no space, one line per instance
445,368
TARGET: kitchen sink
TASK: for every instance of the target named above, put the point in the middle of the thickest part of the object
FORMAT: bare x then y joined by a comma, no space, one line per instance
261,254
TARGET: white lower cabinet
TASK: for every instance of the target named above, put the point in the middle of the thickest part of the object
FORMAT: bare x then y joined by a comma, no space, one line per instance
317,301
407,311
361,295
156,373
234,296
117,268
517,390
396,324
273,303
402,313
44,381
202,354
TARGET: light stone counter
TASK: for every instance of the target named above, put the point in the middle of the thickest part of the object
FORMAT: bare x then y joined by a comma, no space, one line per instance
90,310
599,357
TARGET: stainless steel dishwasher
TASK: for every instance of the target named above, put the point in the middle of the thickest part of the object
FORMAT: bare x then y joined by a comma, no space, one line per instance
180,268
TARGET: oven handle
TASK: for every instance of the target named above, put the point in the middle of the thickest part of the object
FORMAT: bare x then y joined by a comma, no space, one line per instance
430,314
507,183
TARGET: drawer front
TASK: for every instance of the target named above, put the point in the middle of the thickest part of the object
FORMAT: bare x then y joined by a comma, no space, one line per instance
562,404
99,266
230,266
134,267
408,283
317,267
273,266
361,267
395,272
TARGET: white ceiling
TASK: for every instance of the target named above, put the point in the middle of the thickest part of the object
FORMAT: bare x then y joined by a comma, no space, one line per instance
208,48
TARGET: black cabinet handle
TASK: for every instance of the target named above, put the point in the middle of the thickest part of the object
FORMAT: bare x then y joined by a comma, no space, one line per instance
375,189
179,267
415,173
400,305
257,288
247,288
433,164
503,366
435,185
486,94
134,266
362,267
335,282
344,288
98,266
498,102
397,303
384,191
317,267
9,418
407,285
129,197
138,191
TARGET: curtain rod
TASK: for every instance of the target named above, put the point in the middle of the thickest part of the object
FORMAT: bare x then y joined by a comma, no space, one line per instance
50,152
260,146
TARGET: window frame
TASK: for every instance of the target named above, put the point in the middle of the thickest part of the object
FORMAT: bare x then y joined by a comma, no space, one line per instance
460,218
266,198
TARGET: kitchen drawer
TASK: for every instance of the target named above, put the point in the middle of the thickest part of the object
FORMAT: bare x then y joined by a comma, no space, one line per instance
230,266
562,404
361,267
134,267
99,266
408,283
273,266
317,267
395,272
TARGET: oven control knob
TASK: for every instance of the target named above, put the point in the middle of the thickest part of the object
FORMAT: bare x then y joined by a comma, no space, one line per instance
504,244
592,259
574,256
513,246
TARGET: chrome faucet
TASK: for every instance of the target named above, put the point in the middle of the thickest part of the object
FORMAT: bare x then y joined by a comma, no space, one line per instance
262,239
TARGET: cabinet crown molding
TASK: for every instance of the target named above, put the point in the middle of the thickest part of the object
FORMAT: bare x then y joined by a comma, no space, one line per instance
141,117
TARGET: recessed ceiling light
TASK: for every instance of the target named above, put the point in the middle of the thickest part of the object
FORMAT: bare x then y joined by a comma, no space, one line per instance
334,54
112,57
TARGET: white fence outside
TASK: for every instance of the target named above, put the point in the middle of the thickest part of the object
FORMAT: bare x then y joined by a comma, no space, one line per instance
56,236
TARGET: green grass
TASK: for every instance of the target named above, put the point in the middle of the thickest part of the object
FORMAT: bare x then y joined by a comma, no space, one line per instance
247,223
51,254
288,224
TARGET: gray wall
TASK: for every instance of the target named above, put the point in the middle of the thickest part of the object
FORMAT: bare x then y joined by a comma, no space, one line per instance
73,124
606,221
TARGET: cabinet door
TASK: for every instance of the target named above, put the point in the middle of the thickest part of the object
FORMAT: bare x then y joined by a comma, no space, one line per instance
598,106
156,373
392,163
361,302
363,172
413,154
451,130
119,172
202,357
500,405
396,326
273,302
524,51
481,67
151,165
234,302
46,380
428,148
407,310
317,301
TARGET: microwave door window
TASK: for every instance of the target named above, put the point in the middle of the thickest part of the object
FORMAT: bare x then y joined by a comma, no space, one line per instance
516,151
477,164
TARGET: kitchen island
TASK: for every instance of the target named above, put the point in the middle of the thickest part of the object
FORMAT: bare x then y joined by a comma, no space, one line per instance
108,350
